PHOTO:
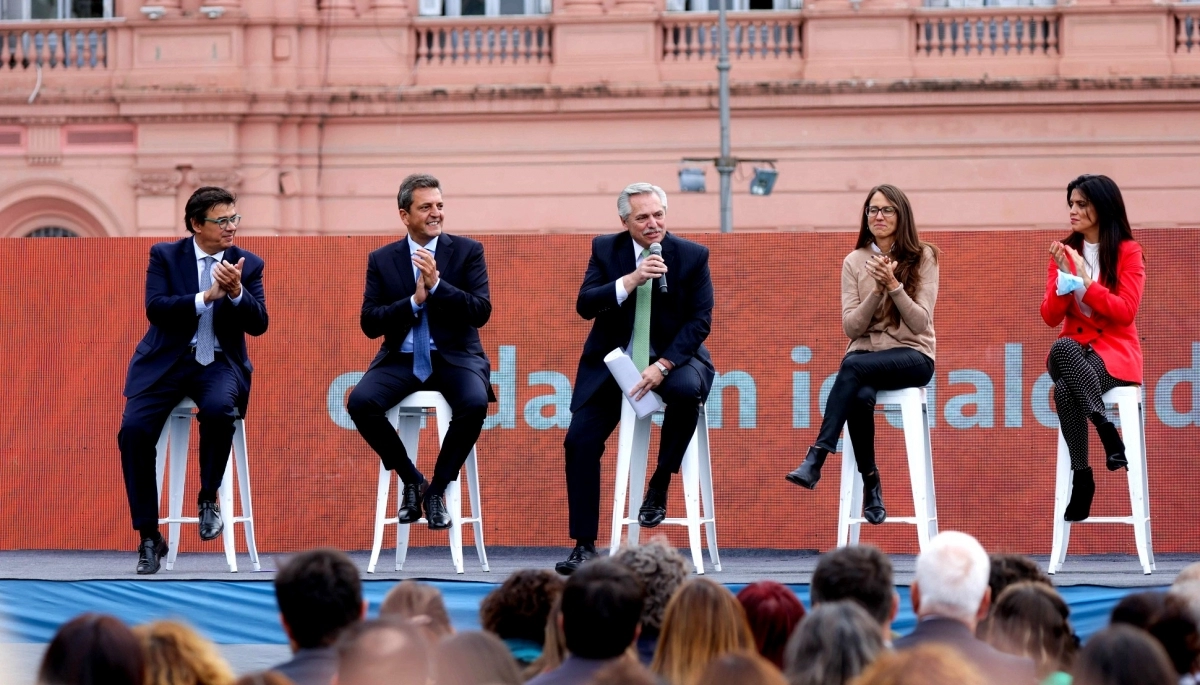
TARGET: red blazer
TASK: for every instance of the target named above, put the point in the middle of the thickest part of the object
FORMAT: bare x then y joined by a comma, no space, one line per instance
1110,330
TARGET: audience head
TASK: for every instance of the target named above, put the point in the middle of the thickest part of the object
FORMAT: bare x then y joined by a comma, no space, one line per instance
1030,619
177,655
773,612
264,678
1138,609
93,649
386,650
928,664
1122,655
519,608
475,658
833,644
861,573
319,594
1008,569
703,621
421,604
554,645
661,570
624,672
1189,573
952,579
1189,592
601,606
741,669
1175,630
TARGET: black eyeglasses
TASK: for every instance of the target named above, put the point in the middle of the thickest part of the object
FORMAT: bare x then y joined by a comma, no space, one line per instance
225,221
886,211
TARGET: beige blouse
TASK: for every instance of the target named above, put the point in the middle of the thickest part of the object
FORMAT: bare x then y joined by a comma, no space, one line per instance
862,308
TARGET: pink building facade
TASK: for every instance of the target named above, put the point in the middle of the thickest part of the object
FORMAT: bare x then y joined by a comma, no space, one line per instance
535,114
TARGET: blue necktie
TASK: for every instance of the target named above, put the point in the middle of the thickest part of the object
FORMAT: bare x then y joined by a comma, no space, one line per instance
422,364
206,342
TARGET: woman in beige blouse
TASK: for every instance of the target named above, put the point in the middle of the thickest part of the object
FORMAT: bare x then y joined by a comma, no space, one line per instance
889,286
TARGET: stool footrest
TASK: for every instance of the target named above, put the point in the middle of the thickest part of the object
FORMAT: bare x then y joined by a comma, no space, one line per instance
182,519
911,520
1130,520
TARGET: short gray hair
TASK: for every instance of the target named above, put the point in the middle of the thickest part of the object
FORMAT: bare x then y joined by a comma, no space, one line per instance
834,643
952,576
662,569
623,208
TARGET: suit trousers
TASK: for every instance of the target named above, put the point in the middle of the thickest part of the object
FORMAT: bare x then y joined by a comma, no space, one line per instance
215,390
594,422
852,399
382,388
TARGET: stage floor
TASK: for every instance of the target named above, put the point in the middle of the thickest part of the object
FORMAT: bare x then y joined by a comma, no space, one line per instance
433,563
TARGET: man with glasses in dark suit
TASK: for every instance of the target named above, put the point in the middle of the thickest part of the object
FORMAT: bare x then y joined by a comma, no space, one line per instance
203,296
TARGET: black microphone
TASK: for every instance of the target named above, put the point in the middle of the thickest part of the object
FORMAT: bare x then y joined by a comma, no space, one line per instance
656,249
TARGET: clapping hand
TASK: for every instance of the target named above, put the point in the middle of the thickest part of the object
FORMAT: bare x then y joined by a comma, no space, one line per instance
1058,252
883,270
429,275
228,277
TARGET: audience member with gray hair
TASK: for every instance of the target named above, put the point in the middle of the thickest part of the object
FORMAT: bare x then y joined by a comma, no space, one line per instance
387,650
661,570
834,643
950,594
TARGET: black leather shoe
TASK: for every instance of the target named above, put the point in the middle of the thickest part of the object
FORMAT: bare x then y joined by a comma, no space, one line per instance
809,472
579,556
654,508
435,512
873,510
1083,490
410,502
1114,447
211,524
149,552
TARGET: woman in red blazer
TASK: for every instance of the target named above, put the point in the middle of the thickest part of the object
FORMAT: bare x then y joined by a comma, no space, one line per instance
1100,273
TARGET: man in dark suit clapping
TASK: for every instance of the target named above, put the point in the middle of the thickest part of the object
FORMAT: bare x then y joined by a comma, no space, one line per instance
427,295
203,296
662,329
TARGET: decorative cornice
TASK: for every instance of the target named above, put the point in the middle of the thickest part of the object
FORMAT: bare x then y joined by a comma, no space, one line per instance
155,181
228,179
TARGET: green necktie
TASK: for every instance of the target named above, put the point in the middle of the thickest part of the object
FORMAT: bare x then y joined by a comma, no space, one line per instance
641,324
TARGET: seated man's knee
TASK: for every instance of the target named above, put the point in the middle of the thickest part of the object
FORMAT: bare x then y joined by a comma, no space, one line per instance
216,410
361,404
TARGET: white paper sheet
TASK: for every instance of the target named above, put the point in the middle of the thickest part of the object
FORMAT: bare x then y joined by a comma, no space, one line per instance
627,376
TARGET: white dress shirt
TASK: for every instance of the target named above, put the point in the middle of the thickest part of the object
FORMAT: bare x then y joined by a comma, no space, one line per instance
1091,264
407,345
201,305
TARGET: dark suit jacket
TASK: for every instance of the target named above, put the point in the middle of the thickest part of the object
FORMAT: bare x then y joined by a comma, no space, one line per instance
172,281
457,309
679,320
315,666
994,665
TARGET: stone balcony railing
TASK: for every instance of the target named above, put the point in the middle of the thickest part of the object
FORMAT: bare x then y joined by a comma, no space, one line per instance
586,42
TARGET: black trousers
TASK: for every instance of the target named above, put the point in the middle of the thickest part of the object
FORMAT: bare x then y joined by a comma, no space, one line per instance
1080,381
215,390
385,385
682,391
852,398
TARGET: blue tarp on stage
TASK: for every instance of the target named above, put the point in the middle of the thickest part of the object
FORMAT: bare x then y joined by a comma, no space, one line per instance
245,612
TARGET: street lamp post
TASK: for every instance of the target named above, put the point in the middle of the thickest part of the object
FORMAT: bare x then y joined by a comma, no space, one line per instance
725,163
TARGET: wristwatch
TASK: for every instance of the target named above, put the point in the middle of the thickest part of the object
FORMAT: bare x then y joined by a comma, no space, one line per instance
662,368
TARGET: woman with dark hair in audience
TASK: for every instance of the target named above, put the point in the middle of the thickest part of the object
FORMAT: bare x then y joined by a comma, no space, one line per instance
889,287
1121,655
773,612
834,643
1175,630
516,612
1138,609
1093,289
475,658
178,655
703,621
1031,619
742,669
93,649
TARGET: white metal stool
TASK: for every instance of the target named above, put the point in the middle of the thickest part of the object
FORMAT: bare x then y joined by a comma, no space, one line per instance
406,418
914,410
175,434
633,446
1128,399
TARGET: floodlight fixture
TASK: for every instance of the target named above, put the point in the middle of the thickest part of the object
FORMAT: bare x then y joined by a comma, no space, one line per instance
691,179
764,180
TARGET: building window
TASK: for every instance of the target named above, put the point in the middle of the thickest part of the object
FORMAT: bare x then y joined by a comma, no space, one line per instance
732,5
52,232
956,4
37,10
483,8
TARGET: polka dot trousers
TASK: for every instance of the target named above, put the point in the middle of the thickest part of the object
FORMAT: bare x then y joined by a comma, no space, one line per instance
1080,381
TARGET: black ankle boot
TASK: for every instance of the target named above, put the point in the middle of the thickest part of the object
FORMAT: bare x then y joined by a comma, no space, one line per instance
873,510
808,473
1083,490
1114,446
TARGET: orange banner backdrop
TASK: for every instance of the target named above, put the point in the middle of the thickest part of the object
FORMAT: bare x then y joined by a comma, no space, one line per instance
73,312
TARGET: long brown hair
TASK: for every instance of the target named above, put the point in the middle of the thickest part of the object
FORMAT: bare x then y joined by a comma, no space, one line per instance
703,621
1032,620
907,248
